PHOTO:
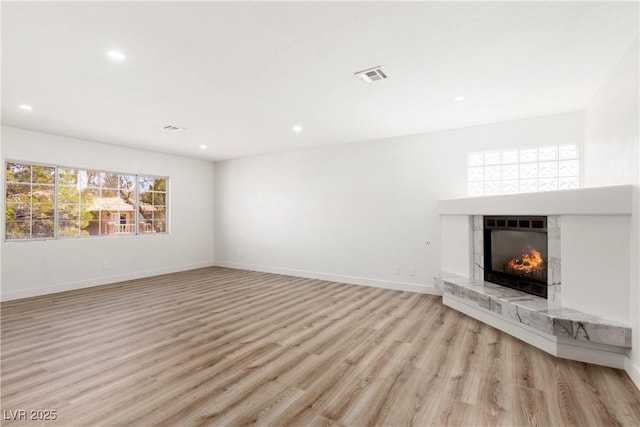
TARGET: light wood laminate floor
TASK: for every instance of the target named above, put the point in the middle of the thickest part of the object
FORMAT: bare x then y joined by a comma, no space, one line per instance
227,347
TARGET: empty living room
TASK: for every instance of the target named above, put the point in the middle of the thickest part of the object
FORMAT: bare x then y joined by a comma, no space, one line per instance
310,213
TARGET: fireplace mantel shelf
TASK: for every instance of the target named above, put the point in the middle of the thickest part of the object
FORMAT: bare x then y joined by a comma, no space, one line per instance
535,312
612,200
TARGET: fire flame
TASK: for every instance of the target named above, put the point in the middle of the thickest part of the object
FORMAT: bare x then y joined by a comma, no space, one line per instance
531,261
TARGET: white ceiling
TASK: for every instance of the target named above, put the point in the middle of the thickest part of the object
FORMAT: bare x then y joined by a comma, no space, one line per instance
239,76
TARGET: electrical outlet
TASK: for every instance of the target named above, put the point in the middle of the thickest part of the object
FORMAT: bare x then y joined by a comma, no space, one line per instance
396,269
106,265
412,271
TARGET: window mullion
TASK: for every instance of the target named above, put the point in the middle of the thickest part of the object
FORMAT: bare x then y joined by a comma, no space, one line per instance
31,203
56,184
137,206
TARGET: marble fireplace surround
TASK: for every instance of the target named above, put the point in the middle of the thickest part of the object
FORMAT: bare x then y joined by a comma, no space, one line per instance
589,323
554,270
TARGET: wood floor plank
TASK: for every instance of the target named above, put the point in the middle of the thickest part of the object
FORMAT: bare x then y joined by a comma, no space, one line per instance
224,347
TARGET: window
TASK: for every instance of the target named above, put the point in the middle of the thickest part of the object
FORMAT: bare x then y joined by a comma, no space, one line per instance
525,170
153,204
30,201
45,201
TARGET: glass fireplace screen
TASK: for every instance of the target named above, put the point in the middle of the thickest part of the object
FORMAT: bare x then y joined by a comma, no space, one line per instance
515,252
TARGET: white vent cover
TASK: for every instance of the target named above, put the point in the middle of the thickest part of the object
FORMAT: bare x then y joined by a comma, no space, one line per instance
172,128
372,74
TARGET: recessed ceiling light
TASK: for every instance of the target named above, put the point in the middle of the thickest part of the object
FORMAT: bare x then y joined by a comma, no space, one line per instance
116,55
25,107
297,128
203,146
458,98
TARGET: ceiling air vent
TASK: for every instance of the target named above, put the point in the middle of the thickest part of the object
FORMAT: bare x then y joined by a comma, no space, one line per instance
372,74
172,128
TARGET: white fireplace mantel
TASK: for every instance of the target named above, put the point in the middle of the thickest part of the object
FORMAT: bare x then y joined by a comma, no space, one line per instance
614,200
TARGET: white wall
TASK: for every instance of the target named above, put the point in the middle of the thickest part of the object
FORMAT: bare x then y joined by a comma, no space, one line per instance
353,212
612,156
595,265
38,267
611,126
456,236
2,209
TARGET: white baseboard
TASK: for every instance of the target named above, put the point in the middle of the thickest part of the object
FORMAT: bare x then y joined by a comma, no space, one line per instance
363,281
633,371
104,280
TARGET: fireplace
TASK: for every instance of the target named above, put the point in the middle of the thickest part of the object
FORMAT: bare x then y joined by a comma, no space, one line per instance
516,253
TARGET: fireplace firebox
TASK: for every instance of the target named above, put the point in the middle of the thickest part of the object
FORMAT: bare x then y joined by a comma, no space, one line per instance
515,252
